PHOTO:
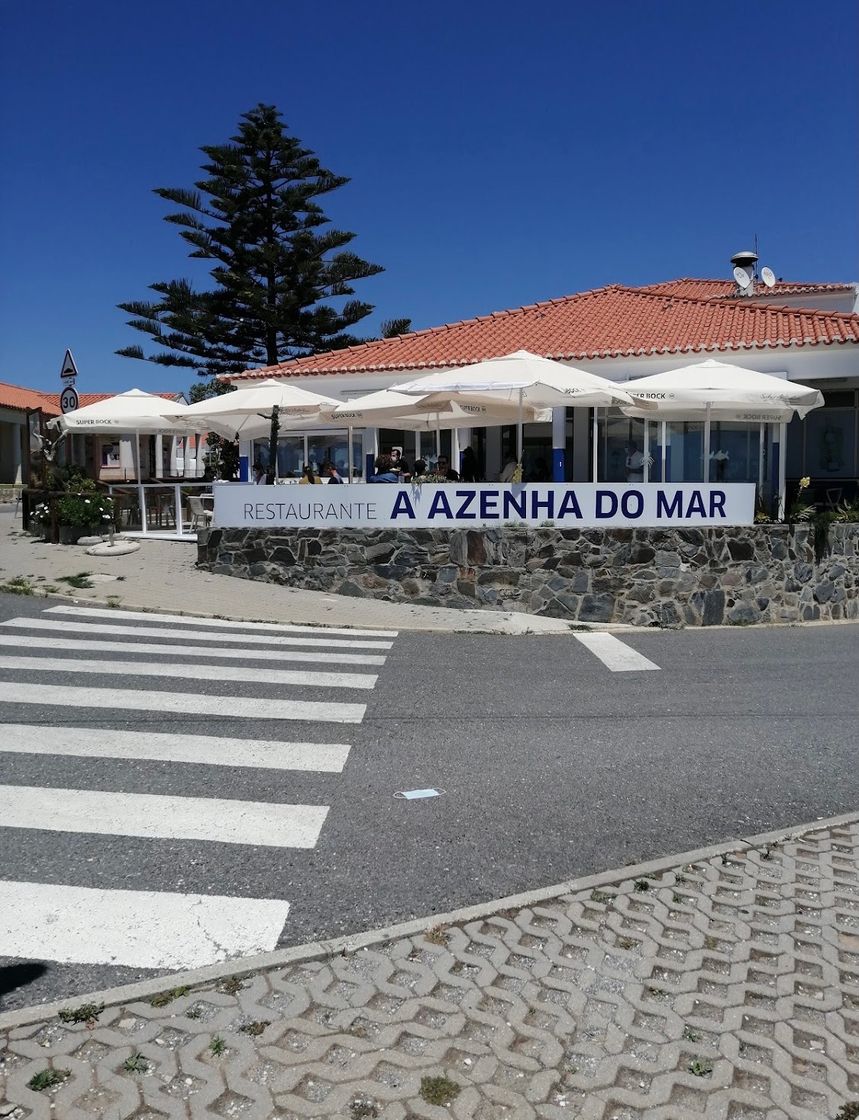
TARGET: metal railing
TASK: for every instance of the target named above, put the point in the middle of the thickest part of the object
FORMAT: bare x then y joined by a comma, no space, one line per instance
158,507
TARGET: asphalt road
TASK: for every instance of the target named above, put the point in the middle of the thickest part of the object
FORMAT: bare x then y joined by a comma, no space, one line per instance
552,766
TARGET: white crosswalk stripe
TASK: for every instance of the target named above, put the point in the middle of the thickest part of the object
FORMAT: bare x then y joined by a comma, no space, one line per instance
270,640
193,672
211,750
78,724
615,654
140,929
219,623
30,641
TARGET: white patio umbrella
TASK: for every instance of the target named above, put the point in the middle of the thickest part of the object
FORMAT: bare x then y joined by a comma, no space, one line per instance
132,412
728,392
719,386
522,379
242,410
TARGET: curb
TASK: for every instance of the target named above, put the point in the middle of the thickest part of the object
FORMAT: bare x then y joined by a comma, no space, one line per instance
313,950
149,609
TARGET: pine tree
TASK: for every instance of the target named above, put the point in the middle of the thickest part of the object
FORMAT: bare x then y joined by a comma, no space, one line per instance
275,271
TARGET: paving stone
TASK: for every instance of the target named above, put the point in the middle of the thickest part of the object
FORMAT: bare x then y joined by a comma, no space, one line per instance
727,990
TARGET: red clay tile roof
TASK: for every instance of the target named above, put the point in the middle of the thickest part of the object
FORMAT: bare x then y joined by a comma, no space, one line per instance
16,396
615,321
712,289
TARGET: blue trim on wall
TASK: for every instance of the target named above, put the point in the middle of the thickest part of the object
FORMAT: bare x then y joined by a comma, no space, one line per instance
244,468
369,467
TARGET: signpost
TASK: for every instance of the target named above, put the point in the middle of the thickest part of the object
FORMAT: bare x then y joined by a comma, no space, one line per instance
68,373
69,370
69,399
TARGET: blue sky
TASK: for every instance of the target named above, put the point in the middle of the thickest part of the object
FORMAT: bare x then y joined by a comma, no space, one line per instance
500,153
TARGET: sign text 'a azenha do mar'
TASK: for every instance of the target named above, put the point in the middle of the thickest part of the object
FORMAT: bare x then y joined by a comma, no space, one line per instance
467,505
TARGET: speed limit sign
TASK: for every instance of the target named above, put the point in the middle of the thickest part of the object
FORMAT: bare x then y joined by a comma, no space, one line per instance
69,400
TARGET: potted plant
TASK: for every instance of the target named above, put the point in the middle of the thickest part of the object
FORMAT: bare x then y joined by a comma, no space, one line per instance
83,512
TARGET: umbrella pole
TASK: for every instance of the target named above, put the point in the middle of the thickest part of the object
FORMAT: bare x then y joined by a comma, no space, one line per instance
519,433
349,449
595,441
437,438
646,451
762,435
140,493
782,470
705,470
663,429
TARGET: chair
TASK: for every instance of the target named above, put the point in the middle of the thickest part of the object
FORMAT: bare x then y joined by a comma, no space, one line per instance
834,496
198,513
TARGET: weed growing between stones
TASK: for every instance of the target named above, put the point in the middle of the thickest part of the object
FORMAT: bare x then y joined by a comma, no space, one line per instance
439,1090
167,997
86,1013
48,1079
136,1064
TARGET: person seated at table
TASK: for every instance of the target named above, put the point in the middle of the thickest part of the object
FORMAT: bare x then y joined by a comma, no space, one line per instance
384,470
309,478
510,466
420,468
330,472
445,471
259,473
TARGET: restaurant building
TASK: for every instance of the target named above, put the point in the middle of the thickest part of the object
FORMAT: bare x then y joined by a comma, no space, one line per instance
807,332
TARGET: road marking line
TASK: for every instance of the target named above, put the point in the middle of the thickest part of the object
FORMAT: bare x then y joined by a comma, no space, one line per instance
209,750
614,654
94,812
122,700
193,672
82,629
139,929
220,623
25,641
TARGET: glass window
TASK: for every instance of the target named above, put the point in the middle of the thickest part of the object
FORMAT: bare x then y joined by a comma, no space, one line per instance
795,455
621,442
734,449
684,444
830,443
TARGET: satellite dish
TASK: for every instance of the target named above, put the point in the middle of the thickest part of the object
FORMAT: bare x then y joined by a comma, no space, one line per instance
742,277
768,276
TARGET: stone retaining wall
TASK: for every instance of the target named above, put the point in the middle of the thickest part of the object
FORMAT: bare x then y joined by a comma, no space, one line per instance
647,577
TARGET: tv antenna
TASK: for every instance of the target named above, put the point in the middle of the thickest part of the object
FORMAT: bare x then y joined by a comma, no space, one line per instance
742,277
768,276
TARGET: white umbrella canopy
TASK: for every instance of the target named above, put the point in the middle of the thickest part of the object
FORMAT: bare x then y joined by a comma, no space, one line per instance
718,387
524,378
248,411
132,411
541,382
422,413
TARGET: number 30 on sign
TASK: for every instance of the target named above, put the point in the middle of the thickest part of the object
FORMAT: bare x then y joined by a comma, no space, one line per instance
68,400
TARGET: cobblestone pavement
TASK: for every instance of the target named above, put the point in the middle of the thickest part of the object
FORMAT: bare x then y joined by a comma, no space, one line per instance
727,987
162,575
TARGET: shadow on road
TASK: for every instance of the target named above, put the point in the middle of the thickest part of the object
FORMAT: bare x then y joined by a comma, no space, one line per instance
14,976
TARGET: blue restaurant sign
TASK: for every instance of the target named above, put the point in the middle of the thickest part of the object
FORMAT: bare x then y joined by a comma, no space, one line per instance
467,505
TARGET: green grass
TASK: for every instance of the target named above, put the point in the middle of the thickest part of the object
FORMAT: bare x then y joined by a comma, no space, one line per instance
86,1013
439,1090
217,1046
700,1067
167,997
80,581
136,1064
48,1079
20,585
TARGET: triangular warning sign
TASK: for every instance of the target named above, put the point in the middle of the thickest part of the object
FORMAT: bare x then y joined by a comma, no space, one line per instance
69,369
